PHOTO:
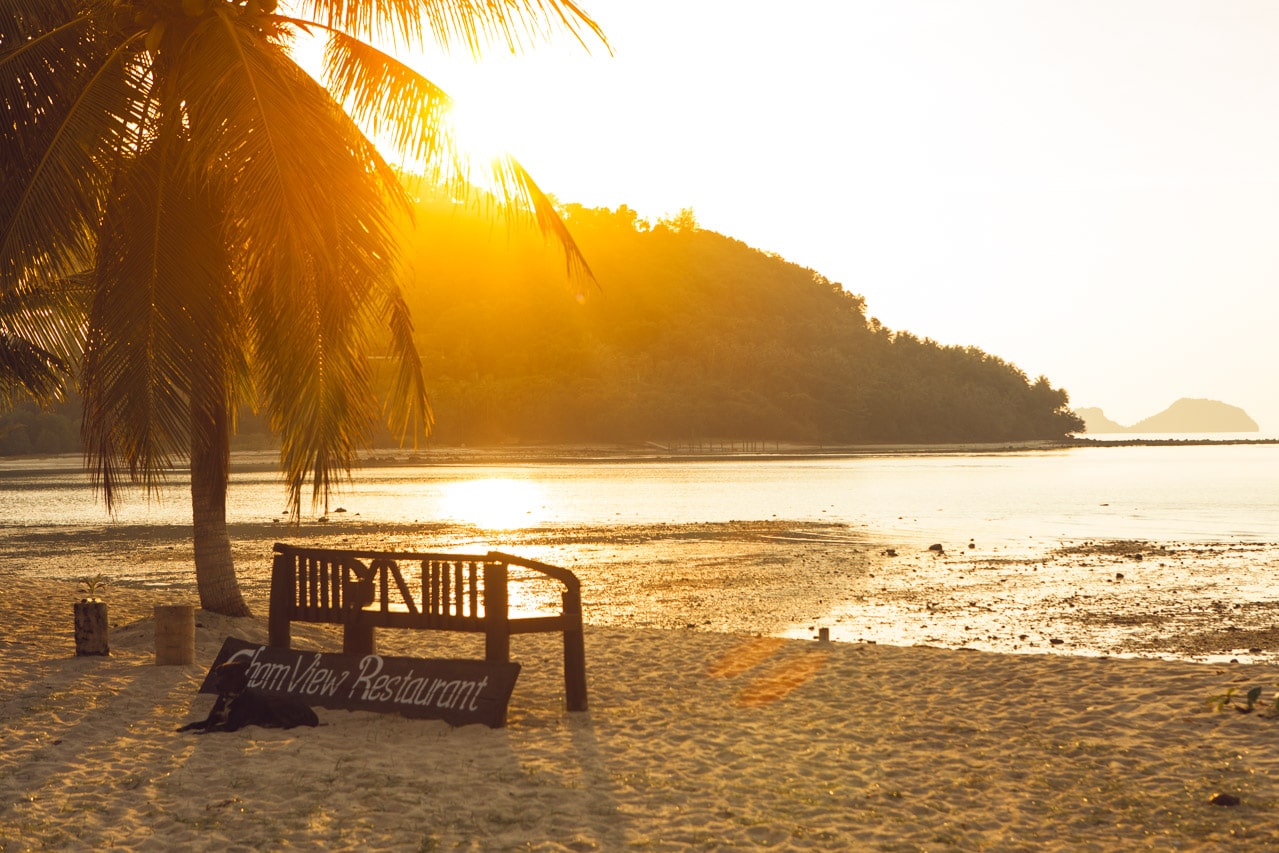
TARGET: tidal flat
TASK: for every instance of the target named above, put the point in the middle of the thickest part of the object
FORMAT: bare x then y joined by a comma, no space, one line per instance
1196,601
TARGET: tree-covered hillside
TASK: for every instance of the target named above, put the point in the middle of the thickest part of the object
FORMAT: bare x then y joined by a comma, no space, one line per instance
689,335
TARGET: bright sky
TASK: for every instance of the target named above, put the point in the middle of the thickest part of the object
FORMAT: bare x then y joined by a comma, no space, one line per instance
1086,188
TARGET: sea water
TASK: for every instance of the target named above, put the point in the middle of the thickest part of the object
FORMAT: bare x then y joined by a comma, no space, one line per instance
1200,493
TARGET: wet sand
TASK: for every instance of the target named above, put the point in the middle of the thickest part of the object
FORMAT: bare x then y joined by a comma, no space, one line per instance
1197,601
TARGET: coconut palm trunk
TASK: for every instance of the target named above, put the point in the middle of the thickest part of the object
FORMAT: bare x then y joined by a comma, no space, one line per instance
214,568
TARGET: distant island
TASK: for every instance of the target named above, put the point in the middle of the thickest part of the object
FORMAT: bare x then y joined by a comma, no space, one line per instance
1187,415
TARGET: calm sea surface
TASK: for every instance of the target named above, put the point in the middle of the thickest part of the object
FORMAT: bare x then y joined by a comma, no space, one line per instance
1211,493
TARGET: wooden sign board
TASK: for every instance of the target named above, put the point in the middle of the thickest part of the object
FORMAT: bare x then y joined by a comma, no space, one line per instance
456,691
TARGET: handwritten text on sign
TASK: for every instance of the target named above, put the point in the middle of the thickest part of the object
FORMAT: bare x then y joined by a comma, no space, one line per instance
456,691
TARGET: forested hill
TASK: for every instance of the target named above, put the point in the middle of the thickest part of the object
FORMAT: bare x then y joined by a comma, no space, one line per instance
689,335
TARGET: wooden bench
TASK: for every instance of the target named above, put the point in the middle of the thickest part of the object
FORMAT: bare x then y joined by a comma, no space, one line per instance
364,590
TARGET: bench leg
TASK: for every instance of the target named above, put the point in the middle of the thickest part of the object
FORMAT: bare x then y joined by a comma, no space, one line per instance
357,639
278,631
497,631
575,670
497,645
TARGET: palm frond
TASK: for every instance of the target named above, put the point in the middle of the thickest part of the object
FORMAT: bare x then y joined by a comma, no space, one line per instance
394,103
80,94
27,370
21,19
511,25
163,296
308,205
48,317
514,182
410,407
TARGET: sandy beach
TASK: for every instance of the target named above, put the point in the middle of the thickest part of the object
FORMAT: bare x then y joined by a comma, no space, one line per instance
706,728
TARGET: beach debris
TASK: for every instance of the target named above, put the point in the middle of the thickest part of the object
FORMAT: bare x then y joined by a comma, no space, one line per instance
1225,700
1219,702
222,804
889,552
1056,642
1119,576
972,543
1223,799
936,546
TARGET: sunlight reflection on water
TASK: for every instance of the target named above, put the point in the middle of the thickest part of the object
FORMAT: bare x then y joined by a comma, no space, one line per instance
1201,493
496,503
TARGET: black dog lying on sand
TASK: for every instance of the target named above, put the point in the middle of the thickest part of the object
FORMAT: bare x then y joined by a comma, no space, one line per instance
239,705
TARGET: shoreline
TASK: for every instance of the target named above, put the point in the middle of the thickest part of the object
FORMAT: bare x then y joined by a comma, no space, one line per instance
762,450
257,459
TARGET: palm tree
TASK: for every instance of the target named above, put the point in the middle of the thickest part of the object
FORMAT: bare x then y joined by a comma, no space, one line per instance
30,364
234,220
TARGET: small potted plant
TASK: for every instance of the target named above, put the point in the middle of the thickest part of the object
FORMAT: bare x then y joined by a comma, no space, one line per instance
91,619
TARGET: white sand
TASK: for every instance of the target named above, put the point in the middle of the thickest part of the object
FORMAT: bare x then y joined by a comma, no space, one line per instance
693,739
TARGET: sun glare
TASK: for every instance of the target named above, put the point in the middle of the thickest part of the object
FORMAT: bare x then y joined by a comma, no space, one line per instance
482,134
499,504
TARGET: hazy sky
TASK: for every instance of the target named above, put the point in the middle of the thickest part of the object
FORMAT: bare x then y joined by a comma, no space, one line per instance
1086,188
